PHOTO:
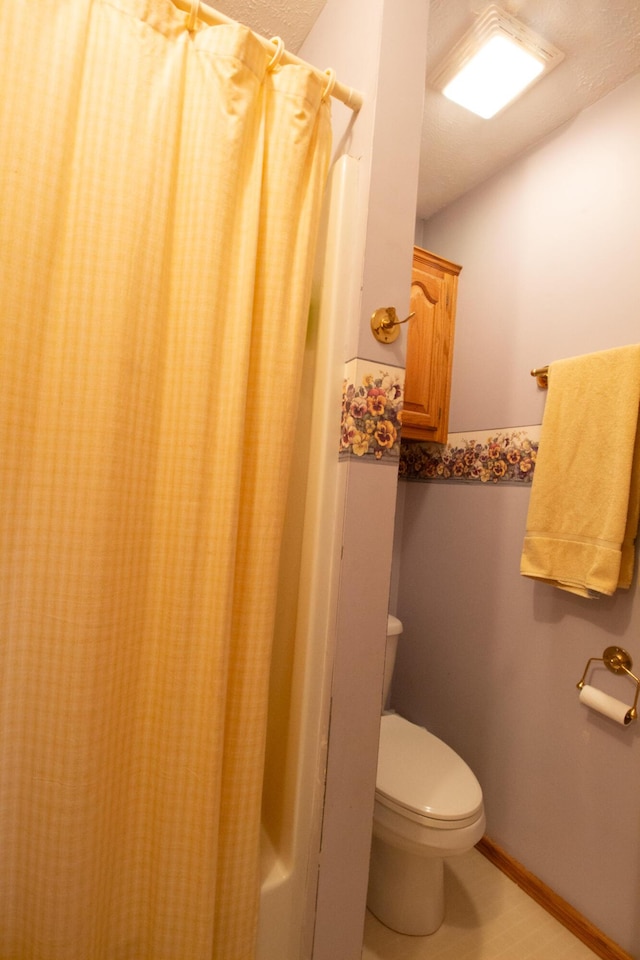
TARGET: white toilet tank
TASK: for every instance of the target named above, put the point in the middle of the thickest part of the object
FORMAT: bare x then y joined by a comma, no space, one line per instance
394,629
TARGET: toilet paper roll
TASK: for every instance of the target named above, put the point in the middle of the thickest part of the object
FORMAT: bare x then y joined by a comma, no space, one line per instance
603,703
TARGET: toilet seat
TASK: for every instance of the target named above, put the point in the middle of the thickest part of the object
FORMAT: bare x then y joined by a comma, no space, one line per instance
421,778
422,819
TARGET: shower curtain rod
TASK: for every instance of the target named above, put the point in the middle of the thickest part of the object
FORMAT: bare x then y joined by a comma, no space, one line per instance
351,98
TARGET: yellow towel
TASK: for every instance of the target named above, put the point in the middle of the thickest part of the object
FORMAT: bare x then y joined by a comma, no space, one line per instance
585,497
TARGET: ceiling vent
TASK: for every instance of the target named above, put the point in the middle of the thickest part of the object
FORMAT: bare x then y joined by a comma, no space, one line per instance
494,62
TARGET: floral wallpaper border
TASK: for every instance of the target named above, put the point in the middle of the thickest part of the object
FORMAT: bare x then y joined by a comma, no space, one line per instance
370,431
371,404
507,455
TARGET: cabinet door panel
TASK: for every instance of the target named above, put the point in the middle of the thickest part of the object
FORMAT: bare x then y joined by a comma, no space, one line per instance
429,347
423,353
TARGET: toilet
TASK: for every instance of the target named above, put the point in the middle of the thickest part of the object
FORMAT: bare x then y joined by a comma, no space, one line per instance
428,806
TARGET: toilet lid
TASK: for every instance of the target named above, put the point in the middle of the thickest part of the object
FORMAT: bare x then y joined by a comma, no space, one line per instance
422,774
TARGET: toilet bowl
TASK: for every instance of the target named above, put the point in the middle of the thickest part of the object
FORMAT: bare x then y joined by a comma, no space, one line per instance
428,806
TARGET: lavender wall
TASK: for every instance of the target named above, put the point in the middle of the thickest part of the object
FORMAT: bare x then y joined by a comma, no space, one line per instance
489,660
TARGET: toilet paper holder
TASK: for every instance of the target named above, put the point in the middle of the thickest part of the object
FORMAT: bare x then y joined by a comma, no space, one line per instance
616,660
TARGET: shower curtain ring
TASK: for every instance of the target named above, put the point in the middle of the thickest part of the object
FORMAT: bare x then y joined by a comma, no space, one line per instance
328,90
194,12
275,59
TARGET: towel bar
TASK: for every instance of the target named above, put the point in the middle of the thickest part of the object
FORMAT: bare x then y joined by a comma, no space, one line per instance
542,376
618,661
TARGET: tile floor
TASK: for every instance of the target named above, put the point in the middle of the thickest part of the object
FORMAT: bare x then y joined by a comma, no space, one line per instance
488,918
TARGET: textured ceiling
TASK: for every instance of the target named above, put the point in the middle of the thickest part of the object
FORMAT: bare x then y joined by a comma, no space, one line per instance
601,43
289,19
599,38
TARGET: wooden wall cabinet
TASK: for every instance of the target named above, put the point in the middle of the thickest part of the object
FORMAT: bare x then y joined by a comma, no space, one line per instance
434,287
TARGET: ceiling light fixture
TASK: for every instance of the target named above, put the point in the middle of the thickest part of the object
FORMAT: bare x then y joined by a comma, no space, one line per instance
493,63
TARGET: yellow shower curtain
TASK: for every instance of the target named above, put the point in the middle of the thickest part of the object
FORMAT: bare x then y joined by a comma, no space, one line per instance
159,198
